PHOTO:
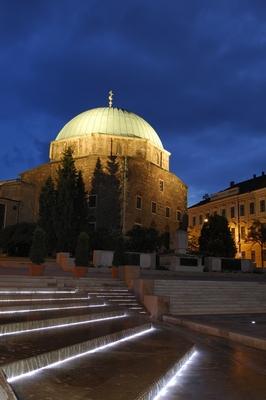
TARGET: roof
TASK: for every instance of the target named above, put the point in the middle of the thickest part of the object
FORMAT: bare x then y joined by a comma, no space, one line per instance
256,183
110,121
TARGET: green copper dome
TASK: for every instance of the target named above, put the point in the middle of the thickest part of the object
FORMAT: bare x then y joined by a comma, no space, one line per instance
109,121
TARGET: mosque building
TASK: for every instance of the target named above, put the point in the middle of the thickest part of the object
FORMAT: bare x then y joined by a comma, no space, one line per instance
151,195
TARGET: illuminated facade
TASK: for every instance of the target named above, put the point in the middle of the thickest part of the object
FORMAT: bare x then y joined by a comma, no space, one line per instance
150,194
241,203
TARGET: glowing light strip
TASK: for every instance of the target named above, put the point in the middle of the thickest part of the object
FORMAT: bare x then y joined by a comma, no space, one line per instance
29,310
37,291
117,295
109,290
63,325
174,380
57,363
121,299
43,299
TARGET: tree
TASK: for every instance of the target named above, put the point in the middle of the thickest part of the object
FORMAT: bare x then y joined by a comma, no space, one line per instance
144,239
257,234
81,205
38,247
15,240
71,215
216,239
82,253
119,253
47,213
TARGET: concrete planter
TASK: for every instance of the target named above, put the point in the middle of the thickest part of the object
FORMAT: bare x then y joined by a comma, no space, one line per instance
36,269
80,272
114,272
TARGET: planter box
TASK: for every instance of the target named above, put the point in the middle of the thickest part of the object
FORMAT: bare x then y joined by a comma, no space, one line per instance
36,269
80,272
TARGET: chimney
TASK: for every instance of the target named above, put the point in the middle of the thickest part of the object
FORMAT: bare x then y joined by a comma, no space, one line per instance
262,173
254,176
232,183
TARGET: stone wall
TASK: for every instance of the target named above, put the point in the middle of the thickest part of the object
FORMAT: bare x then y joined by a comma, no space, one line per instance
142,178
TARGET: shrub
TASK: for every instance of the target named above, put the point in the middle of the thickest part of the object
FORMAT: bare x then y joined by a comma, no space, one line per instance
16,240
38,247
82,250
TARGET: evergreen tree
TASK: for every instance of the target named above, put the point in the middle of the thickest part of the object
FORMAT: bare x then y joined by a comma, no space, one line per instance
38,247
82,253
81,205
47,209
65,205
216,239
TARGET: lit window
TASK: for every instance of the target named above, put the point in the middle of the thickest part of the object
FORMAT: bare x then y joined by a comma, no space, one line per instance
139,202
178,216
243,232
92,201
233,233
262,206
242,210
167,212
153,207
161,184
253,255
232,212
252,208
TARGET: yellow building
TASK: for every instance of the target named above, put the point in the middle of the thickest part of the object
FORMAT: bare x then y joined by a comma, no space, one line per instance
241,203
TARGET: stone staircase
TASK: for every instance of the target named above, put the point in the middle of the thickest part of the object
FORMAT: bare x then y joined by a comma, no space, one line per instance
66,338
212,297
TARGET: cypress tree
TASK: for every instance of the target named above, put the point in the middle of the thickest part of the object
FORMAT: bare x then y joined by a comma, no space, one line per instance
47,209
81,205
65,205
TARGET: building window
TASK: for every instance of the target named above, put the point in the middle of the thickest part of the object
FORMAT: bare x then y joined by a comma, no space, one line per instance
253,255
242,210
252,208
153,207
243,254
161,185
224,212
2,215
200,219
194,221
92,200
215,213
167,212
139,202
233,233
243,232
232,212
262,206
178,216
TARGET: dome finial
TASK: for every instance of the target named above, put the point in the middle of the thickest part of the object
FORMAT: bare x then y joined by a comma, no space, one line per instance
110,98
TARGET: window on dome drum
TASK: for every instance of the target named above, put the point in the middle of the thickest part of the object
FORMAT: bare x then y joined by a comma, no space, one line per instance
167,212
178,216
252,208
92,200
215,213
2,215
194,221
233,233
232,210
200,219
243,254
241,210
262,205
153,207
243,232
161,185
139,202
253,255
224,212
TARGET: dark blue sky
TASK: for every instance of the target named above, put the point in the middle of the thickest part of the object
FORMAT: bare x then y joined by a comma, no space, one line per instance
195,70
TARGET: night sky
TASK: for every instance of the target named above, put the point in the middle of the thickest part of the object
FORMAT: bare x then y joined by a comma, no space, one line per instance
195,70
